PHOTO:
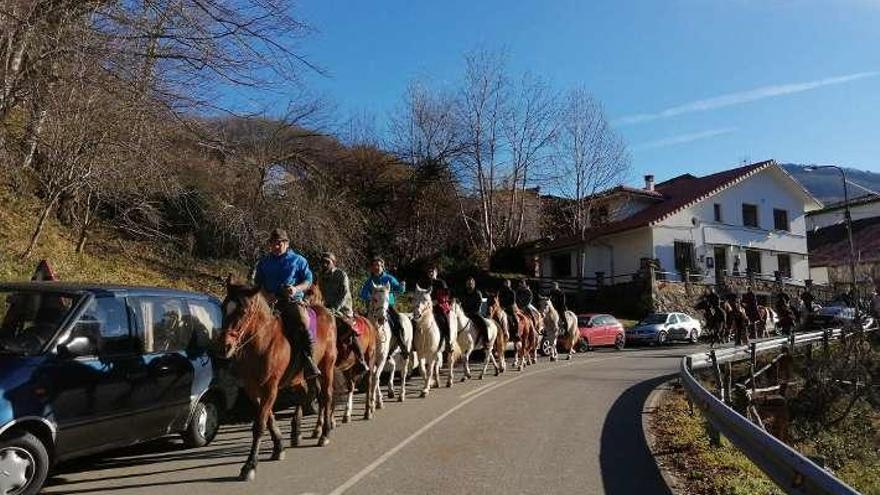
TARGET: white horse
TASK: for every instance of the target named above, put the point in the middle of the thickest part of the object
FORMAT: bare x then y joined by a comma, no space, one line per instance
551,327
377,312
426,338
470,336
399,359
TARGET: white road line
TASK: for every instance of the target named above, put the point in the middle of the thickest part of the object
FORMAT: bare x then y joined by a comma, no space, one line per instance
481,387
387,455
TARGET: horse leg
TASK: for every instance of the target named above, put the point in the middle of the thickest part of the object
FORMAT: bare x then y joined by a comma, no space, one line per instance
249,470
467,367
325,407
404,371
277,439
377,393
426,368
450,363
349,405
296,426
369,406
393,362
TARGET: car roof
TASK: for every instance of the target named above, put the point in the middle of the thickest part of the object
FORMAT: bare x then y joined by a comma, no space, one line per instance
101,289
590,315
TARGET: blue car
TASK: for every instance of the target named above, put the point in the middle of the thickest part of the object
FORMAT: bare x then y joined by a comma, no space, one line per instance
86,368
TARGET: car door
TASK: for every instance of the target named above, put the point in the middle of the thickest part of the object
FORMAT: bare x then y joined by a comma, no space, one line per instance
595,331
162,326
602,330
672,324
612,327
91,396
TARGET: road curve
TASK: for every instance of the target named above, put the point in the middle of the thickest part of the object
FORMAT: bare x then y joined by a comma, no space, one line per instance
566,427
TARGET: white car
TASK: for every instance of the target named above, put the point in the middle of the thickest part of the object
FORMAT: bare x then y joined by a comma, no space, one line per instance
659,328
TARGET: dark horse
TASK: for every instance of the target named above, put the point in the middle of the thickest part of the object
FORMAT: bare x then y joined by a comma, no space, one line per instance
254,338
716,321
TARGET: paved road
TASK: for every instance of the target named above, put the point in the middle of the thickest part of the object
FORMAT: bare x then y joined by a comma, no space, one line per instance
566,427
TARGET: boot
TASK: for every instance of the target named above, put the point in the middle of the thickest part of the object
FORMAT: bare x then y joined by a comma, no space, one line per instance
310,370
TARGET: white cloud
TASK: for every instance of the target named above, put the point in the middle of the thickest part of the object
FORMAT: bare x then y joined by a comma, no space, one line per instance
685,138
732,99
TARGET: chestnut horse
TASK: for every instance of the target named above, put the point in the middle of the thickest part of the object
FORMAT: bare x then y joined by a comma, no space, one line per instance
496,314
345,361
528,340
254,337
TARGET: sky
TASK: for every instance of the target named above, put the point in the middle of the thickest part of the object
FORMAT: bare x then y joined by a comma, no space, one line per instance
693,86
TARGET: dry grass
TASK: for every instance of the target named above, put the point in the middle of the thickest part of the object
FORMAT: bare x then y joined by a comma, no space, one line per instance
108,259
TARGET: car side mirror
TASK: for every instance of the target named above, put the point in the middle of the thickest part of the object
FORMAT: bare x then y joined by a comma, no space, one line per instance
78,346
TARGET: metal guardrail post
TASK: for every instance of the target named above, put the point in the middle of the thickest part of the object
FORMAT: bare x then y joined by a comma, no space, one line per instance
753,363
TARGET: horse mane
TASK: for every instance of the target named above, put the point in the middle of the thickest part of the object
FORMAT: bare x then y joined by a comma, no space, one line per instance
315,295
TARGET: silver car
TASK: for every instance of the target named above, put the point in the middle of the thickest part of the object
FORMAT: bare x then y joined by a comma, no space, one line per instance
659,328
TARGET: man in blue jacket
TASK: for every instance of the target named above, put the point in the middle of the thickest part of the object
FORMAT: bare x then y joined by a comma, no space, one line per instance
284,276
379,276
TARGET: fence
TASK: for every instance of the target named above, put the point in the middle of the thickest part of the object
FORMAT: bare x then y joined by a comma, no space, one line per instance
789,469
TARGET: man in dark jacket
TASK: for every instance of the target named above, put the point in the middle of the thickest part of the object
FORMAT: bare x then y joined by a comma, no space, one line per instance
335,288
507,299
472,305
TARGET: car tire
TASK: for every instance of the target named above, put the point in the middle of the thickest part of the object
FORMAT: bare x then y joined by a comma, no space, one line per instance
619,342
661,338
24,461
546,347
203,425
694,337
583,345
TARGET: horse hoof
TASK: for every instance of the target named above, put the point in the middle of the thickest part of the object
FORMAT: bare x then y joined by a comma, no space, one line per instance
248,475
346,419
449,384
295,441
484,376
423,394
323,442
278,456
380,405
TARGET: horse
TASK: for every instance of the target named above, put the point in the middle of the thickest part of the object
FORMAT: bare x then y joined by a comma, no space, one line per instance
738,320
570,335
499,317
378,313
716,322
369,341
527,342
426,338
551,327
254,337
471,337
398,359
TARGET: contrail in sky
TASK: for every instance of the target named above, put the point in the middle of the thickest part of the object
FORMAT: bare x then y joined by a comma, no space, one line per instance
684,138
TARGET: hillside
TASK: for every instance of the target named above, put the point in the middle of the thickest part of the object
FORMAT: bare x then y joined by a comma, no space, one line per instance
107,259
825,184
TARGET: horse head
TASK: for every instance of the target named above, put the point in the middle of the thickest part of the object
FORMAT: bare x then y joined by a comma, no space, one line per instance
422,303
241,304
380,302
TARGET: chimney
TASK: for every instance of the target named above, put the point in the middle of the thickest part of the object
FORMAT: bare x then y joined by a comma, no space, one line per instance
649,182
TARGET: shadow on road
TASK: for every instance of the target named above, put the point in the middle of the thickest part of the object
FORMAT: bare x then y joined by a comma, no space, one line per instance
625,460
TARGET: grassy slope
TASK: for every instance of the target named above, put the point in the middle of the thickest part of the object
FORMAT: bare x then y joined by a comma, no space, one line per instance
107,258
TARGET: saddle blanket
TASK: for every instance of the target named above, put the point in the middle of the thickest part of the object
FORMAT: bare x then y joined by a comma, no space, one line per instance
313,324
359,326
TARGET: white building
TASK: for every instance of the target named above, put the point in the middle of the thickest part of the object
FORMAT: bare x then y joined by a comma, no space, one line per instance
750,218
860,208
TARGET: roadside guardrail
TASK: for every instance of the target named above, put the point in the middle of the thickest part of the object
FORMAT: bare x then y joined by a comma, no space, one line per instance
788,468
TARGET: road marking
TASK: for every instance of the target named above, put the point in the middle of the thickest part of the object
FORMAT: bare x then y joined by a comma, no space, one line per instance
387,455
481,387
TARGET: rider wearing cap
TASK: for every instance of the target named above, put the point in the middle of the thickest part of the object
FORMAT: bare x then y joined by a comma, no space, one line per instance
378,276
335,288
284,275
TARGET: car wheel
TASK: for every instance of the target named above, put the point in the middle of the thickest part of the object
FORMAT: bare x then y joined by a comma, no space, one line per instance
546,347
583,345
203,425
694,337
619,342
24,464
661,338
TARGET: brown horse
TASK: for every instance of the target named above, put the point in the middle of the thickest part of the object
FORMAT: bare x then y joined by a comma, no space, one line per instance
254,338
345,361
496,313
528,340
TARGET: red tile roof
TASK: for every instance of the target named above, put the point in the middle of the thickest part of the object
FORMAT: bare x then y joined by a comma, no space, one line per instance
677,193
829,246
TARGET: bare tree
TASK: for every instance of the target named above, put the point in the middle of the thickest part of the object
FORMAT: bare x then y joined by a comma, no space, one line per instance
591,157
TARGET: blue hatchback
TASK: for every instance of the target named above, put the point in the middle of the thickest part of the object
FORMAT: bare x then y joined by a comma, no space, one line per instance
86,368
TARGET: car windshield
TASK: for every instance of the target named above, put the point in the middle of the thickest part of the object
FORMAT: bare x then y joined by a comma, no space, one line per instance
29,320
654,319
583,321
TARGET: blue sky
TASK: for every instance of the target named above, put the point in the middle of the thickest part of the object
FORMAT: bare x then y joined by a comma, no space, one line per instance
693,85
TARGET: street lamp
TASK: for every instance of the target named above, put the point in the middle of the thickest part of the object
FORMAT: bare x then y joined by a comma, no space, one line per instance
848,219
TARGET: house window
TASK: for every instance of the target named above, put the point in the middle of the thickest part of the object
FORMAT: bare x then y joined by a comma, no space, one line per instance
560,265
684,256
780,219
753,261
717,208
750,215
784,261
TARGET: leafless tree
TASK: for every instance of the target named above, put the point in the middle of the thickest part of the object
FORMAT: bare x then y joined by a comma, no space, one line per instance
591,157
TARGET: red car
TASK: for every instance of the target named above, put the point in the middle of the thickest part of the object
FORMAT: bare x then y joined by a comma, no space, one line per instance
599,329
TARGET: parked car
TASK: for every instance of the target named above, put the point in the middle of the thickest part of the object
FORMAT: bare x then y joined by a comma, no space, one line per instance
660,328
837,315
600,330
86,368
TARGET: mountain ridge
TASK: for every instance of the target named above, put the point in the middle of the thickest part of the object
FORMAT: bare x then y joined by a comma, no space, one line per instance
825,184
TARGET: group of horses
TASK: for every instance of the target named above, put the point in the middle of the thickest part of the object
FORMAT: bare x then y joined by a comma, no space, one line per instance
253,336
732,321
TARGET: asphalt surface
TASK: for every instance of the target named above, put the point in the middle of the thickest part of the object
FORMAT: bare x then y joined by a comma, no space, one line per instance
565,427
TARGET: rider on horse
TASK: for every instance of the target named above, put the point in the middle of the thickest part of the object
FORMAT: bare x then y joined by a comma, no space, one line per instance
378,276
557,297
336,290
507,299
524,301
285,275
441,297
472,304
